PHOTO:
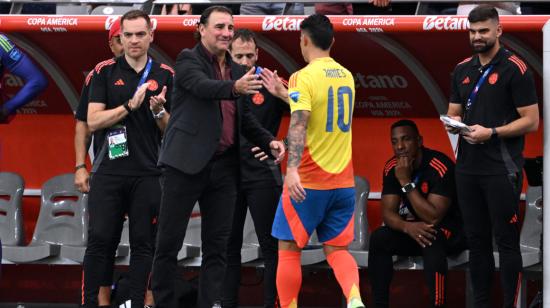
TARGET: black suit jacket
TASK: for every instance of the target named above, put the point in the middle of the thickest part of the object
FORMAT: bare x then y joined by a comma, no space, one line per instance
194,130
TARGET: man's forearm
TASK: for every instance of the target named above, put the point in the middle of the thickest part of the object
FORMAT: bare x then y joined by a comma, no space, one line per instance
518,127
425,210
394,221
100,119
455,110
296,137
81,140
283,95
161,123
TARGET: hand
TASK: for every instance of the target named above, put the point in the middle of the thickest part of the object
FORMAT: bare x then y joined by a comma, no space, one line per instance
135,102
277,150
477,134
82,180
453,130
273,84
294,186
156,103
259,154
249,83
380,3
403,169
421,232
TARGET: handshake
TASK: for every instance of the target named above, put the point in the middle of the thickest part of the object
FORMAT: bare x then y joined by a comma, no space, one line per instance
258,77
250,83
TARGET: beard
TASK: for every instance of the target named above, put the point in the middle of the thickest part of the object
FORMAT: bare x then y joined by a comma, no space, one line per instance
488,45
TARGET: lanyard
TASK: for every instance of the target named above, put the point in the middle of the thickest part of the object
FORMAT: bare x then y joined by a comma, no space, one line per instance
145,73
481,80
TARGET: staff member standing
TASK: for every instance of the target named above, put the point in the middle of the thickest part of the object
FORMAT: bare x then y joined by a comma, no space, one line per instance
200,155
82,138
126,178
493,92
261,181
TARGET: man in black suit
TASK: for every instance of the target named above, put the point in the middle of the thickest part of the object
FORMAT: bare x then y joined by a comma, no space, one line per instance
200,155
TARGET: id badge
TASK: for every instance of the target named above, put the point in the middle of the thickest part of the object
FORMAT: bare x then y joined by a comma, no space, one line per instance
118,142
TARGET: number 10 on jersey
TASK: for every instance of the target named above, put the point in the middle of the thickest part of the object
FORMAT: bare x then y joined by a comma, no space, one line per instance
344,99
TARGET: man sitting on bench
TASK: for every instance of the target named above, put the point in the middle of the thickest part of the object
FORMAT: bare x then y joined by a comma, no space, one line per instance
421,217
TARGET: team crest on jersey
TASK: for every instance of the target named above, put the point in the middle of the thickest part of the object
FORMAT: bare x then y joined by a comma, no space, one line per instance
466,80
153,85
493,78
15,54
295,96
424,187
258,99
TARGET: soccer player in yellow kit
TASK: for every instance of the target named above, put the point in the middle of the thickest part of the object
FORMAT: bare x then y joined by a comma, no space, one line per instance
319,192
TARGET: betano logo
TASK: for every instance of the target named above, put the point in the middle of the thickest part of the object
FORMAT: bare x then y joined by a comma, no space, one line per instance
281,24
445,23
380,81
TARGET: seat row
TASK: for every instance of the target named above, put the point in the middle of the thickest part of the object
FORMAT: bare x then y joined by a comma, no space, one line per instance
60,236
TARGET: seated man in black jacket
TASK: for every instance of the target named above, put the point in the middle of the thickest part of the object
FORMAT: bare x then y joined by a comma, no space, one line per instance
421,216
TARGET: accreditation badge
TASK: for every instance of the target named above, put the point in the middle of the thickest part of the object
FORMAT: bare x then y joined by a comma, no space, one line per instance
118,142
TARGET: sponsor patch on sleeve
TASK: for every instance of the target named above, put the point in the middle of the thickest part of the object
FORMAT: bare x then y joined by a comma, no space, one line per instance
15,54
295,96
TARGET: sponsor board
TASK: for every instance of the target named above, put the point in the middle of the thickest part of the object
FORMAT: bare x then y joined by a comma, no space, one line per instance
276,23
382,106
369,21
380,81
446,23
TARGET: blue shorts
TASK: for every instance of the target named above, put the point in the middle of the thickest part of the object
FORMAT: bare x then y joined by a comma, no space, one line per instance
330,212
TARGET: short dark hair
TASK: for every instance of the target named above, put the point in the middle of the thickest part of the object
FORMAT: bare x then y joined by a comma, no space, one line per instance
135,14
206,15
319,29
406,122
245,35
482,13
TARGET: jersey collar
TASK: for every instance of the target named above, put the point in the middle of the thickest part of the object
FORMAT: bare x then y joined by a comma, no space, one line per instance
501,54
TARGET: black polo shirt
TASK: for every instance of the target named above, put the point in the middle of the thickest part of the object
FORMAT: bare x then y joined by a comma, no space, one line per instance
269,110
509,85
434,176
115,82
82,109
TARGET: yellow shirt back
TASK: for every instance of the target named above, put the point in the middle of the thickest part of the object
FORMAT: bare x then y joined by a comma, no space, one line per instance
327,90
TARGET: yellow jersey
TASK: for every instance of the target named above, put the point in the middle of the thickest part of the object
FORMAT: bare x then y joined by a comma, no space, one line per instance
327,90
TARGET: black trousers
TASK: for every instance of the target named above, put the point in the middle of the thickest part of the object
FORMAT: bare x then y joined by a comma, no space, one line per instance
386,242
490,206
111,197
262,203
215,187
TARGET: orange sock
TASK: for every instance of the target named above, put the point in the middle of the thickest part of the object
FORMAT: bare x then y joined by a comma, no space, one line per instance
345,269
289,278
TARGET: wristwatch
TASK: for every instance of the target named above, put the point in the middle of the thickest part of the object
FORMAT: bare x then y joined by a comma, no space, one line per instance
407,188
126,106
494,133
159,115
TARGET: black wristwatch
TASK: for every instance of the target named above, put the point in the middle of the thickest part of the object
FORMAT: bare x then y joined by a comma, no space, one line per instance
494,133
126,106
407,188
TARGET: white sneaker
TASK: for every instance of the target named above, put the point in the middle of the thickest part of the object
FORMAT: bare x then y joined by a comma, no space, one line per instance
356,302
